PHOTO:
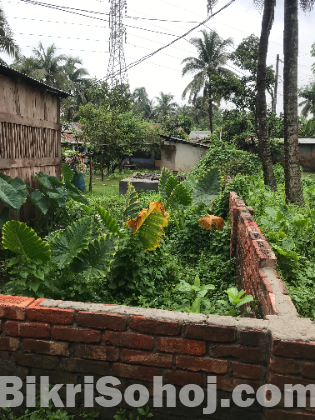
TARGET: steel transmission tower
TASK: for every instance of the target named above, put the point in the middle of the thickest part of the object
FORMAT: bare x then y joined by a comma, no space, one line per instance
117,71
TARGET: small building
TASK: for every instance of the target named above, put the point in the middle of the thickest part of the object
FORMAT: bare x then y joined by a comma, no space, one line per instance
30,130
198,136
181,155
307,154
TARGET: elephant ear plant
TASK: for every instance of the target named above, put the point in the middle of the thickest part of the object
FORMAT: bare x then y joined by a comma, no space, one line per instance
179,195
87,246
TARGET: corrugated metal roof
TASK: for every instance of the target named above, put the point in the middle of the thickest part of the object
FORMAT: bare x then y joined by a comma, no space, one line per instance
14,74
306,141
199,135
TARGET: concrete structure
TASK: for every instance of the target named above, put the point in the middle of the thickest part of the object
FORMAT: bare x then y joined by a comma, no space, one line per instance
139,185
181,155
307,154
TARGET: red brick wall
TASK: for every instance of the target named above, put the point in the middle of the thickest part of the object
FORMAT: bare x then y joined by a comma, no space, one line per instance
69,342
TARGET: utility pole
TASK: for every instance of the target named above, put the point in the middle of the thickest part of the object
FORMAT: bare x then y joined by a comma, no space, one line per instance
274,104
117,71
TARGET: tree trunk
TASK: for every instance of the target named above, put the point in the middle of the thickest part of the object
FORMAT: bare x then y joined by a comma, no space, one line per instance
210,111
292,172
102,167
264,144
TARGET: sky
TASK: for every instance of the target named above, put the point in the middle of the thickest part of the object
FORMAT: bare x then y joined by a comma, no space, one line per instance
88,38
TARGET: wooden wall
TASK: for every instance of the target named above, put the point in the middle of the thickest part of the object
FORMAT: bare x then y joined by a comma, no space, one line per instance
30,131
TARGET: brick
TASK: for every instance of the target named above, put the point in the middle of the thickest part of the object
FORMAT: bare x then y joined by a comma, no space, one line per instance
251,338
86,366
14,307
246,354
49,315
281,380
241,370
55,377
308,370
210,332
182,378
281,365
180,345
37,361
228,384
132,340
9,343
101,320
147,358
86,351
54,348
135,372
287,415
76,334
294,349
153,326
32,329
201,363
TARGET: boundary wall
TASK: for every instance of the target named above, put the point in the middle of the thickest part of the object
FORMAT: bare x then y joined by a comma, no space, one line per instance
68,340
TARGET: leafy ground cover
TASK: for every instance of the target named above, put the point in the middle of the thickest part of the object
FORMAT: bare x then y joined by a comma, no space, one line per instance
146,251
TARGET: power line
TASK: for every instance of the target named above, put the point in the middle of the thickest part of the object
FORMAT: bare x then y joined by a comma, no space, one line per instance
39,3
74,49
63,37
177,39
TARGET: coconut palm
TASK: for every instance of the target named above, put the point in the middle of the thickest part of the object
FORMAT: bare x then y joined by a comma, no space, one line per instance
165,106
307,93
141,103
44,66
7,42
209,64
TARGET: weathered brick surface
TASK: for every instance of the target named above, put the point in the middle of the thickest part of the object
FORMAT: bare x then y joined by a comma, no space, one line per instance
210,333
183,378
179,345
56,348
142,373
9,343
147,358
241,370
49,315
87,351
136,341
101,321
32,329
14,307
74,334
153,326
296,350
246,354
202,364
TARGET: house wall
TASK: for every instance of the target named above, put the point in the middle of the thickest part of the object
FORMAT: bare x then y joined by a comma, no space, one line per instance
307,156
179,156
69,340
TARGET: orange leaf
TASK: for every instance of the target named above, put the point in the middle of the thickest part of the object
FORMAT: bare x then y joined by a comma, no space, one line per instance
210,220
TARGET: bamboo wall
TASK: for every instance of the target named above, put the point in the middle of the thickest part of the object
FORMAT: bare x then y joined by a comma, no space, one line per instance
30,139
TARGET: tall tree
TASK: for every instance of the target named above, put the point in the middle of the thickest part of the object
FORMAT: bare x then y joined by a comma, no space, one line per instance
44,65
292,172
141,103
264,143
308,94
165,105
209,64
7,42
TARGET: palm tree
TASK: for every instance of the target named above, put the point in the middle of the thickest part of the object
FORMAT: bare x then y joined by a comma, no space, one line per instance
7,42
208,64
307,93
165,106
141,103
292,172
44,66
264,142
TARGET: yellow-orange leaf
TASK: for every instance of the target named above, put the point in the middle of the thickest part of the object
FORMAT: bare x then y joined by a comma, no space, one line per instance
149,225
210,220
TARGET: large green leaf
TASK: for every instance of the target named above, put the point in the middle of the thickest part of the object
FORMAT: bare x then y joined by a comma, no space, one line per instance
96,259
67,172
39,200
170,185
109,221
56,198
207,187
19,238
165,174
132,206
189,183
11,196
69,242
4,216
6,178
149,225
179,196
78,197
